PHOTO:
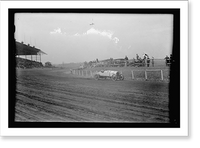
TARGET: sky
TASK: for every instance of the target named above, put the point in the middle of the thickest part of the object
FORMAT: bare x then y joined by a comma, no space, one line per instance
79,37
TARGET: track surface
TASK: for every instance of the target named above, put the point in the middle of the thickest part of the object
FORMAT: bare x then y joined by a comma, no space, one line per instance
46,95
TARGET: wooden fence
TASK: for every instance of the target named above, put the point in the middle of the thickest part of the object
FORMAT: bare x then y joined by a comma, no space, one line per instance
161,77
148,74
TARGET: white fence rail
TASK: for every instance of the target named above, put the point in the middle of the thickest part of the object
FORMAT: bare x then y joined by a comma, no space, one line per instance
84,73
146,73
132,75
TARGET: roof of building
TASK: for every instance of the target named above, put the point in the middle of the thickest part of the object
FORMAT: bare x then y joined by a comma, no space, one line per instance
23,49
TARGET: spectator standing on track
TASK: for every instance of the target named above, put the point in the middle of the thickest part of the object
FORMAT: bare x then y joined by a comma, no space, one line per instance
137,56
148,61
126,61
145,58
126,58
167,60
171,58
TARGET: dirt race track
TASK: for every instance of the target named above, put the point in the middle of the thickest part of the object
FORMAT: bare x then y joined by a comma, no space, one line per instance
46,95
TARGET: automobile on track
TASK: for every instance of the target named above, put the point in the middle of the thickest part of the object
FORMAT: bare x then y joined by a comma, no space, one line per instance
104,74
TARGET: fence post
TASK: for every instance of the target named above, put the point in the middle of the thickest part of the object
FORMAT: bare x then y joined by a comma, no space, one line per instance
132,74
145,72
161,72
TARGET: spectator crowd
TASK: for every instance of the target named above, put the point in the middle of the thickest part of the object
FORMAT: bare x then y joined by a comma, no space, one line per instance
25,63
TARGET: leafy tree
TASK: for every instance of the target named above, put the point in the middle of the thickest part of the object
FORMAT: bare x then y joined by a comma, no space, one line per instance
48,64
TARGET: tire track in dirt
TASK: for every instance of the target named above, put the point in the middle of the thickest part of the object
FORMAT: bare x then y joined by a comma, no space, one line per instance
51,98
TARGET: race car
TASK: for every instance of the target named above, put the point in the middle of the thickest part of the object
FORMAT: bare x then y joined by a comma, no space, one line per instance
114,75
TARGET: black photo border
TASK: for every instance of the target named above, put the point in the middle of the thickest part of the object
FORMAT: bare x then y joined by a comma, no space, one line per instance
174,85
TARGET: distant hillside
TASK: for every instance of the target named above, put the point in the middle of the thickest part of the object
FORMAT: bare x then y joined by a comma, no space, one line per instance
69,65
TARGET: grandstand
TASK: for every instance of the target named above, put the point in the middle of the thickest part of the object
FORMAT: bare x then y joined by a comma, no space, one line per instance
28,56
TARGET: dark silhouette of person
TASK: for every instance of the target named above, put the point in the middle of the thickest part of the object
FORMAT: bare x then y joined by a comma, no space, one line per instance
148,61
167,60
171,58
126,58
137,56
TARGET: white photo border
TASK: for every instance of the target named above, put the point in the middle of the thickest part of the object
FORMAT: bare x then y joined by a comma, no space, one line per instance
184,100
